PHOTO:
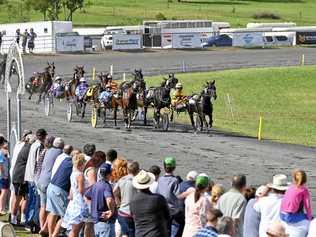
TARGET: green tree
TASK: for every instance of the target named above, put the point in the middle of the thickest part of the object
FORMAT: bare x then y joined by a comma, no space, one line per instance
39,5
70,6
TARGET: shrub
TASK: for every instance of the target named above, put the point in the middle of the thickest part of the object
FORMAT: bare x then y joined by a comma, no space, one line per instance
266,15
160,17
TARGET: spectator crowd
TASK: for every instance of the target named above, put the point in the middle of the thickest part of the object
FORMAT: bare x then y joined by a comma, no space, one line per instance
54,189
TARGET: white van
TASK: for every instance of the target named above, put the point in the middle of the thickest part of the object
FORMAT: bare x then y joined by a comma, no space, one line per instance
107,38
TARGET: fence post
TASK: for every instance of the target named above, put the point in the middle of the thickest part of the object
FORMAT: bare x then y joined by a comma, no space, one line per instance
111,70
230,107
260,128
302,60
124,76
93,73
183,66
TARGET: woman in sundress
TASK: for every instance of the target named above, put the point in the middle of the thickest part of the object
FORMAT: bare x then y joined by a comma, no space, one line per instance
76,210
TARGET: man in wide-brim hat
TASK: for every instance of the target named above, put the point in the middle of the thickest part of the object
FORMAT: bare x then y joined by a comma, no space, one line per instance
269,206
150,210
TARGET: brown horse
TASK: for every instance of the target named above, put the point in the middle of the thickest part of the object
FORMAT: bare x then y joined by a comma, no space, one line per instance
70,88
41,82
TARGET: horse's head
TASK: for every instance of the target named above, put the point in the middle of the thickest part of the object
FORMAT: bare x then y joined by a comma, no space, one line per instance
50,69
210,89
138,74
171,82
78,72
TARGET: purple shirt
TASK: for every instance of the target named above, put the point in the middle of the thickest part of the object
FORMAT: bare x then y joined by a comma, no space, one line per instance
294,197
98,193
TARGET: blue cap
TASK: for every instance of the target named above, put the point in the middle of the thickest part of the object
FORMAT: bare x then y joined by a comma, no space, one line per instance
105,169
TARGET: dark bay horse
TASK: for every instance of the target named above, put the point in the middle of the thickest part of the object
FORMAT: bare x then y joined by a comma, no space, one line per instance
201,105
159,97
70,88
41,82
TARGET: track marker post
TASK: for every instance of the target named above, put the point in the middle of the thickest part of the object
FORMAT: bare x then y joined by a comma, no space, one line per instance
260,128
302,60
124,76
183,66
93,74
111,70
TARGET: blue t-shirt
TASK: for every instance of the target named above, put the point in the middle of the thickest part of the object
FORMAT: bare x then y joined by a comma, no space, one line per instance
185,185
251,219
4,161
98,194
62,176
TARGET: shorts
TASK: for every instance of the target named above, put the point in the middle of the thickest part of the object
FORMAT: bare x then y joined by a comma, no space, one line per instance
127,225
43,195
4,183
21,189
57,200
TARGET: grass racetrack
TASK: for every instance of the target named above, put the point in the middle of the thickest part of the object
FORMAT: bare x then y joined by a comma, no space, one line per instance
285,97
131,12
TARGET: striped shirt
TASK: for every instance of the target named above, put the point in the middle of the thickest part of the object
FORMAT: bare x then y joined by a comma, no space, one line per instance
208,231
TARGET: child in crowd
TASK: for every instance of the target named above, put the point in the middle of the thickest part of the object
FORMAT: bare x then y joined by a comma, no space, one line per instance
76,209
4,176
296,198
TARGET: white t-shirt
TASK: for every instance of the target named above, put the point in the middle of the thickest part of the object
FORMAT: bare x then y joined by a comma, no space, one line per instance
16,151
31,160
269,209
312,229
153,187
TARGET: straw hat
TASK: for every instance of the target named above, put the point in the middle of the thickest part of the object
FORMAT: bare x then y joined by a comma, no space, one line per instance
279,182
277,229
143,180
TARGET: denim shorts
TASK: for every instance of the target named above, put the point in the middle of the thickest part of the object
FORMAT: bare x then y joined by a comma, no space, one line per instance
4,183
104,229
56,200
127,225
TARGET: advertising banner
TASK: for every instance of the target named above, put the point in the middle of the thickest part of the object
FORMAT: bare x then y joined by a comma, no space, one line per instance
186,41
126,42
306,37
74,43
248,39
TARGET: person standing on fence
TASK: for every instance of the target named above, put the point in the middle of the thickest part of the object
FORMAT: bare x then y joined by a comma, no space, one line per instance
17,36
31,37
25,35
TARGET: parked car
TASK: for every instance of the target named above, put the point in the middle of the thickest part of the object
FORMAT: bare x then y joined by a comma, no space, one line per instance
219,41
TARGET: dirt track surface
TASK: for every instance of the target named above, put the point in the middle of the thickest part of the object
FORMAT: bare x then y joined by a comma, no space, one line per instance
163,61
219,154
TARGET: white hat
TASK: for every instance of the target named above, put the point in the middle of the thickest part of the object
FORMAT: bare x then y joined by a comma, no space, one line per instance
192,175
82,79
179,85
279,182
57,78
262,191
143,180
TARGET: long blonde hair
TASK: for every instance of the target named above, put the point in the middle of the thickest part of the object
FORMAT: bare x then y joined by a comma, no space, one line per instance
299,177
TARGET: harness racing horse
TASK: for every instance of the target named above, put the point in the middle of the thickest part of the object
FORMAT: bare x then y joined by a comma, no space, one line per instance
41,82
159,97
2,68
70,88
202,106
128,92
141,84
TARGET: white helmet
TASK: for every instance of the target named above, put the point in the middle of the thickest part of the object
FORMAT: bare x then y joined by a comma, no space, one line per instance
58,78
82,79
179,86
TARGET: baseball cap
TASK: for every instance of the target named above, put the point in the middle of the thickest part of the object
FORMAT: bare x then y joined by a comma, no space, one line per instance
105,169
170,162
41,132
202,181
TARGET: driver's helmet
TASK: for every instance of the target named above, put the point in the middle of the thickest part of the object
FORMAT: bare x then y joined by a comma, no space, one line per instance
58,78
179,86
108,86
82,79
109,76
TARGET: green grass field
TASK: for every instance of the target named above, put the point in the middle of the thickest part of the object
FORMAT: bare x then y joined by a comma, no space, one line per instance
129,12
285,98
